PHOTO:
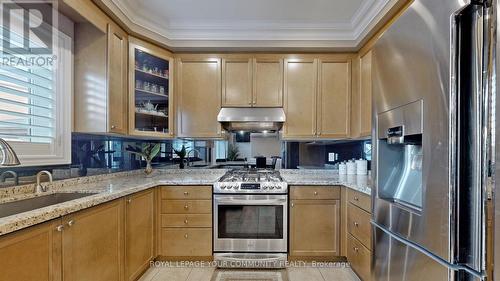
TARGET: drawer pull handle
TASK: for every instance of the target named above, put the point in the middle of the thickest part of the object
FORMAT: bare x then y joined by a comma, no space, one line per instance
186,236
356,224
71,222
60,228
186,193
185,221
315,193
186,207
356,198
356,249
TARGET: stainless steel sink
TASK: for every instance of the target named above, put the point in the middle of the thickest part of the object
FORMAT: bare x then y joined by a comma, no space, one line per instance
21,206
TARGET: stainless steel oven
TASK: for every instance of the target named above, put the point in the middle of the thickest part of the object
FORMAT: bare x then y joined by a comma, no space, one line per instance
250,227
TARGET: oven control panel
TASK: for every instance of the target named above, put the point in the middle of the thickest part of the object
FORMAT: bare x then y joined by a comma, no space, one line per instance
246,187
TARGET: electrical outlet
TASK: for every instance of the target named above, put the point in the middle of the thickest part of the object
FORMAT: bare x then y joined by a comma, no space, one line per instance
332,156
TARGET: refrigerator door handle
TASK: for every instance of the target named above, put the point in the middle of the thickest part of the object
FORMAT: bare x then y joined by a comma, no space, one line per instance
454,267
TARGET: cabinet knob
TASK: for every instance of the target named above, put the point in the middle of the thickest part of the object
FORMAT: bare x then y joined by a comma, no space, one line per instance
356,198
186,236
356,249
185,221
186,207
356,224
292,205
186,193
113,127
71,222
60,228
129,200
315,193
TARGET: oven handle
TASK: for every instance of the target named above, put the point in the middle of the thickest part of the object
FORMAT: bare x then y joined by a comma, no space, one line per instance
250,201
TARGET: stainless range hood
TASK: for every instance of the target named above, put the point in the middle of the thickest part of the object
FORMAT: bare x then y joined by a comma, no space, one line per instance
251,119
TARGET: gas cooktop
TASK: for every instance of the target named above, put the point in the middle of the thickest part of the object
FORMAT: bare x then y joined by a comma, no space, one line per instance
251,181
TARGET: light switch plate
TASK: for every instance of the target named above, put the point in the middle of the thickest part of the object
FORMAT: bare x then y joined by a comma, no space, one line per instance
331,156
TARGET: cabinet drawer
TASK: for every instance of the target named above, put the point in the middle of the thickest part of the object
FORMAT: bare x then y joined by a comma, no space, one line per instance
186,206
359,257
176,242
315,192
187,220
186,192
358,224
360,199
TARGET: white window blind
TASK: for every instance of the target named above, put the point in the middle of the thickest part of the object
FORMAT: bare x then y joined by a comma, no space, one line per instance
35,100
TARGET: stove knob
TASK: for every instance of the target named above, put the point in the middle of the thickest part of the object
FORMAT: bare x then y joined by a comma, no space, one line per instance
229,187
264,187
222,187
236,187
278,187
271,187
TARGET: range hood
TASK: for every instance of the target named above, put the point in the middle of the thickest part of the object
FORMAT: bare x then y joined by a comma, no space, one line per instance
251,119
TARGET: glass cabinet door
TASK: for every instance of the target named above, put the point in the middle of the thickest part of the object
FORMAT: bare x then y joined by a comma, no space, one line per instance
151,90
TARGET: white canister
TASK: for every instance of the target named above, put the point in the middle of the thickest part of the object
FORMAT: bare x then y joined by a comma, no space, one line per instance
351,167
361,167
342,168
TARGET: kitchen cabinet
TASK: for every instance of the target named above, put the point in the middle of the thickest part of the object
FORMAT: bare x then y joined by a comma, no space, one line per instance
362,98
139,229
100,71
92,244
358,238
334,98
151,99
300,82
199,97
317,98
252,82
32,253
237,82
314,222
185,229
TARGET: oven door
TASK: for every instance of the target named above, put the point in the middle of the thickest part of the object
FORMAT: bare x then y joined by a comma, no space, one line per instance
250,223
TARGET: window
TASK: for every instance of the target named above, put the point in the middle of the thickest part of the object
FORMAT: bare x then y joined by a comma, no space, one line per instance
36,98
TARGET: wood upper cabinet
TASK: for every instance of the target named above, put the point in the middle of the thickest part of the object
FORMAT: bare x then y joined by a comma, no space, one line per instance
300,93
139,229
268,82
199,97
334,99
361,115
252,82
315,228
32,254
237,82
117,80
92,243
317,98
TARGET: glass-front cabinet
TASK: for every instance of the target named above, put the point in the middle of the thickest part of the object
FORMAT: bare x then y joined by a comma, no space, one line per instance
151,90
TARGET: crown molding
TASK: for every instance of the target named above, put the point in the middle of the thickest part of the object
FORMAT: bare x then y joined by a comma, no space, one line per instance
255,36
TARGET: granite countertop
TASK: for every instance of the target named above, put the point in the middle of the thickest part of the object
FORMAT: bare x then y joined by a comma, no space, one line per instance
361,183
113,186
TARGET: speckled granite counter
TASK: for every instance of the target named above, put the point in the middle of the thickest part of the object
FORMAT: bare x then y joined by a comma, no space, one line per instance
361,183
113,186
108,187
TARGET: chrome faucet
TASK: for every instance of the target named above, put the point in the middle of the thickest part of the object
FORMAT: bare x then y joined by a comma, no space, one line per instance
190,163
9,156
5,174
39,187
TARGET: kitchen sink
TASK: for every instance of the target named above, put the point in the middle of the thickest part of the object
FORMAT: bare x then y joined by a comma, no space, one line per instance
21,206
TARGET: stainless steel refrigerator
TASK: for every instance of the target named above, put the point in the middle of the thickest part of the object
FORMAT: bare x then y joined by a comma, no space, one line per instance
434,139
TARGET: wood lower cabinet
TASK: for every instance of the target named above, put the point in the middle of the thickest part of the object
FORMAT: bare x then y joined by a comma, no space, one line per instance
185,227
315,223
199,97
139,229
92,244
359,256
32,254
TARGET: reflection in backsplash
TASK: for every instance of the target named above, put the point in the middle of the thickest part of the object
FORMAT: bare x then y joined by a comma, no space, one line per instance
324,155
94,155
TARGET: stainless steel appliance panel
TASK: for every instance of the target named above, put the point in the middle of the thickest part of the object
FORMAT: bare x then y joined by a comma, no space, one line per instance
410,63
262,238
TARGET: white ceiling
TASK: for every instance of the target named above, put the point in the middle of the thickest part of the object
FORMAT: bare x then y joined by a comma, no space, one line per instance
253,24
